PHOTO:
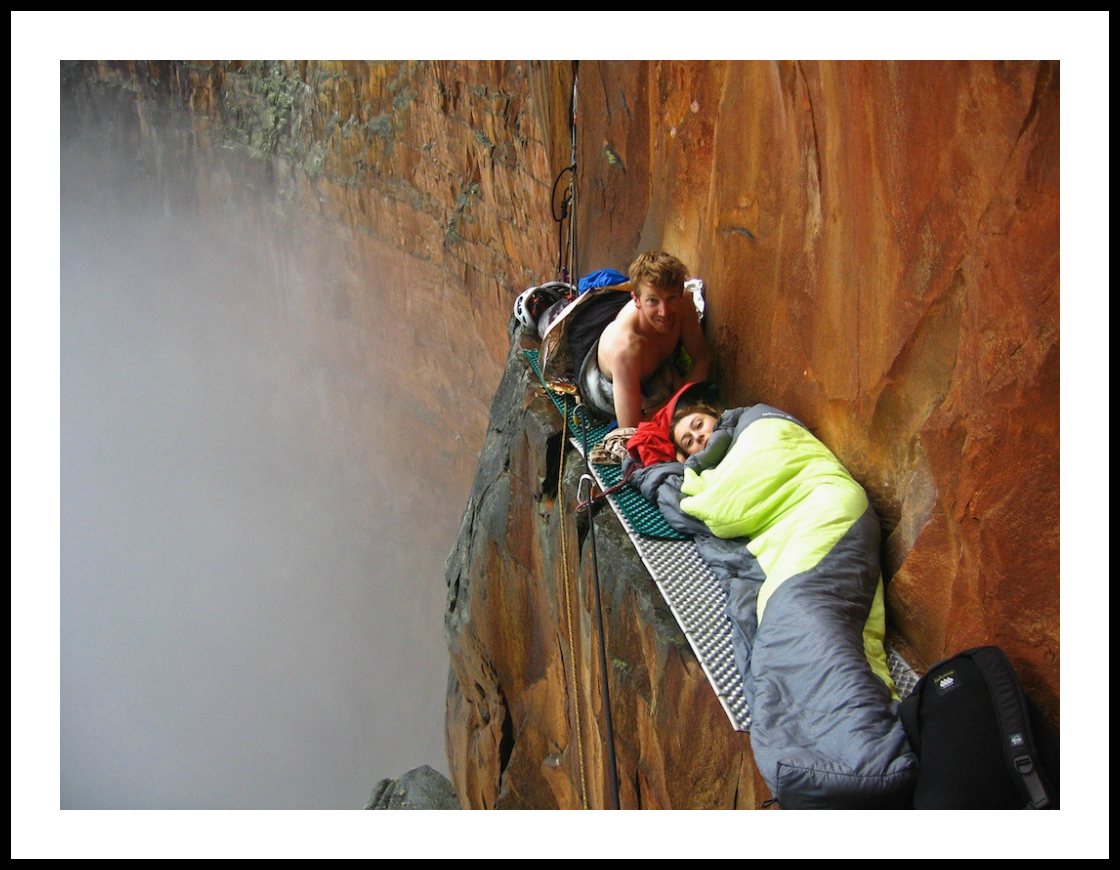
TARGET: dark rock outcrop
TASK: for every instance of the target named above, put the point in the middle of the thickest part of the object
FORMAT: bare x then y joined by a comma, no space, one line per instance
422,788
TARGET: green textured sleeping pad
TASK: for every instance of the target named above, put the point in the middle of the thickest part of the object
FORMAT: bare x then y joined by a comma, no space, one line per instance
642,514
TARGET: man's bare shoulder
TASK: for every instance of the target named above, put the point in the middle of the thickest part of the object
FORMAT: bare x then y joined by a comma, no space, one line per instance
620,342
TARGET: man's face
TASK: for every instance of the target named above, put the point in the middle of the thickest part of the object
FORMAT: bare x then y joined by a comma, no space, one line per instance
660,307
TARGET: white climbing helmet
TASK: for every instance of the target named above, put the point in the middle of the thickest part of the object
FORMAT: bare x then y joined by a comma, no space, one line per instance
533,302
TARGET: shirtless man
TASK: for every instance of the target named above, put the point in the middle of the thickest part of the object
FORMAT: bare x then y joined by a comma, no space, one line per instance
630,368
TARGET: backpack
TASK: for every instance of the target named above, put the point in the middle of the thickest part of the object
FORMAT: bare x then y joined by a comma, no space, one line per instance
981,743
570,336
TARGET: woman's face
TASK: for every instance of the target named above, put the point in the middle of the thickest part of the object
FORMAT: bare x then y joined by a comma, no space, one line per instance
691,434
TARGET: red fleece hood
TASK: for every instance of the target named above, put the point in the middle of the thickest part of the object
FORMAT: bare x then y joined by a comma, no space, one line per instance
653,442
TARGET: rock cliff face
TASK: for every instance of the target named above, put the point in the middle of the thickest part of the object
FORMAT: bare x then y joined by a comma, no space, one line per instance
880,246
880,242
418,191
524,710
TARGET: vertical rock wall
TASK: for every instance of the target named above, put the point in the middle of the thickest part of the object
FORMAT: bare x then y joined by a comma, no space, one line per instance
880,246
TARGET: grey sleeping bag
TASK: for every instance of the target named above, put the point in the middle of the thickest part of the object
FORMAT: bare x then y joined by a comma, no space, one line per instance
795,542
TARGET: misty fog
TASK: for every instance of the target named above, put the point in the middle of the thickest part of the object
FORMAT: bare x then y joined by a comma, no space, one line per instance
251,602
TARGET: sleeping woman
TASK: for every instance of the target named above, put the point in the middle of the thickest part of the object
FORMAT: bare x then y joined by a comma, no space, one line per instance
795,541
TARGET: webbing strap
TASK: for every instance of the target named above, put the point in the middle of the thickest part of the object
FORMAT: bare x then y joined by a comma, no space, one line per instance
1015,729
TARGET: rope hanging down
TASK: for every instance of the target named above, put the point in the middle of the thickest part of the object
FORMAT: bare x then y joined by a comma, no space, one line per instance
561,212
573,115
565,209
612,766
567,267
566,574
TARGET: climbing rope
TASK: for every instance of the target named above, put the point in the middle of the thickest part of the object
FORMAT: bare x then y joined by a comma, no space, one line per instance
612,766
568,609
561,212
565,209
573,115
568,209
